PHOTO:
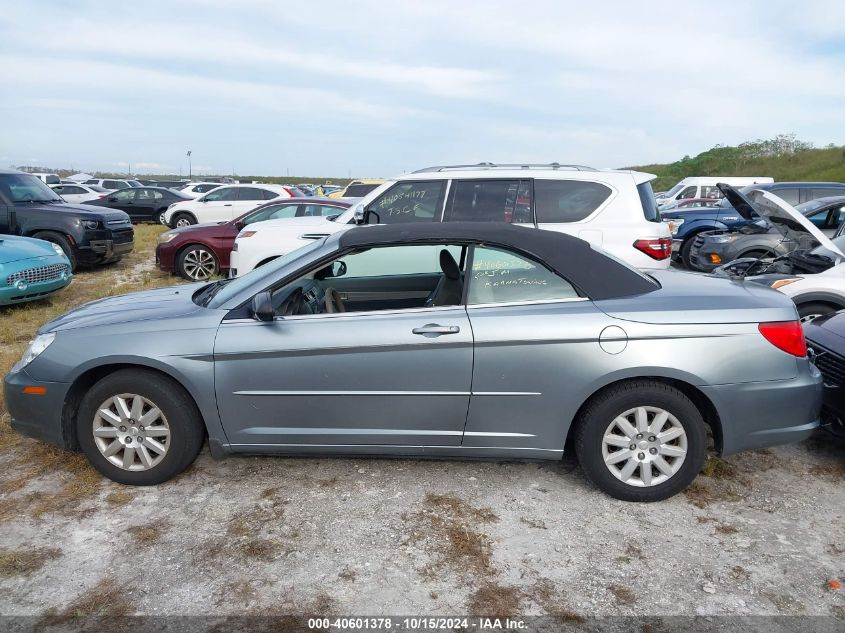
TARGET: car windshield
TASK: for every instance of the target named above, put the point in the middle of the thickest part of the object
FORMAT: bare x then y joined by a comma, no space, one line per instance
266,272
26,188
807,208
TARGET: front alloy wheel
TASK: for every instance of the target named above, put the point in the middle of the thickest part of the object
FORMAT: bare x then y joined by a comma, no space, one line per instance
139,427
131,432
197,263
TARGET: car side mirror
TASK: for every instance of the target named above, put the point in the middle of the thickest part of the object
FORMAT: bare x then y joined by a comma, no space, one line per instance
332,218
338,269
240,225
262,307
368,215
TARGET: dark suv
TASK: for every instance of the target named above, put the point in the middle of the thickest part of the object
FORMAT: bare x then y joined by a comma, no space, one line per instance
88,235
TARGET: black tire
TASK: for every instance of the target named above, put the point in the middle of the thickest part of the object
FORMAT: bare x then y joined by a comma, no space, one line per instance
186,218
684,253
62,242
161,219
187,431
198,258
813,309
604,408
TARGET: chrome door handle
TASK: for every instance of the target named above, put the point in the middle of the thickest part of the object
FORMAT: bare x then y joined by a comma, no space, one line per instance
433,329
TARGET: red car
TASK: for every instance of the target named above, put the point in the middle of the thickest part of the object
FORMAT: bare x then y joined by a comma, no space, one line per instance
201,251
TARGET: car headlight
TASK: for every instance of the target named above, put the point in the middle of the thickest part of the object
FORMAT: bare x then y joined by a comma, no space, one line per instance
674,225
780,283
723,239
89,224
36,347
165,237
57,248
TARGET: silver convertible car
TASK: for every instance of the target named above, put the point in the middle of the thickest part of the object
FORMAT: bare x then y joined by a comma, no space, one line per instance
437,340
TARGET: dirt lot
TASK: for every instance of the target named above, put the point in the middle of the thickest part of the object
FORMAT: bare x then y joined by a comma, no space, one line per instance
758,533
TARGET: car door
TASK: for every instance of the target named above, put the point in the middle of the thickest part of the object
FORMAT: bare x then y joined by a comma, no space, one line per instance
123,200
217,205
534,336
248,199
143,204
393,376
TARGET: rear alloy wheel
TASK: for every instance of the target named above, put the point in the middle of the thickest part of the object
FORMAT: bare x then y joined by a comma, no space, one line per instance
813,310
161,219
138,427
197,263
641,441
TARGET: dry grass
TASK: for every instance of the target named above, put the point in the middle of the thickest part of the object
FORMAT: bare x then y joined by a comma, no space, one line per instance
718,468
702,495
24,562
105,599
449,525
118,498
494,600
149,533
29,459
623,594
553,603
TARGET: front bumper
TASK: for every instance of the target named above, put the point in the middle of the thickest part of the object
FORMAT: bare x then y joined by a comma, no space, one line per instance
768,413
38,416
165,257
10,295
701,256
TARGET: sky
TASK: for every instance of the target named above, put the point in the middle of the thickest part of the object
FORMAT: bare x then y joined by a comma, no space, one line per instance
373,88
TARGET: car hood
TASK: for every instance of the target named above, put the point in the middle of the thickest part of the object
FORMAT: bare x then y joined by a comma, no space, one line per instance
162,303
783,217
88,211
204,227
13,248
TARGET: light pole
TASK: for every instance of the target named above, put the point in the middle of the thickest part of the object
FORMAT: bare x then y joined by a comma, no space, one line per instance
189,165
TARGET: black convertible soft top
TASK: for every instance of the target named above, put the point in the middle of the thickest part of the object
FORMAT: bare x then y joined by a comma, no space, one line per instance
593,273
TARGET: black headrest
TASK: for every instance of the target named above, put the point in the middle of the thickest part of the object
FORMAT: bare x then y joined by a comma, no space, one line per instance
448,265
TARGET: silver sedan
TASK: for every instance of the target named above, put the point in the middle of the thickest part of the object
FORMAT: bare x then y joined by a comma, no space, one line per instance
444,340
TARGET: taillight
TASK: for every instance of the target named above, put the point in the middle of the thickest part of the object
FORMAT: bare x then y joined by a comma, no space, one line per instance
246,234
660,248
102,195
785,335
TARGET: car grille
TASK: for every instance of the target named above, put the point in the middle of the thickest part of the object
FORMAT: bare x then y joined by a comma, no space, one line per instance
38,275
832,366
123,236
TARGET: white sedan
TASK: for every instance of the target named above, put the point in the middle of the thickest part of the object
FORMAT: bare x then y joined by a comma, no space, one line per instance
222,204
310,219
196,189
79,193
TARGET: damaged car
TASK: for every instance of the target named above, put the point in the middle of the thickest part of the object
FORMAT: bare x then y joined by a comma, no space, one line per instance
810,274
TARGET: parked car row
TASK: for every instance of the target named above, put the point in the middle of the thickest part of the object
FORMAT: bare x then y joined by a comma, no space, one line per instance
423,319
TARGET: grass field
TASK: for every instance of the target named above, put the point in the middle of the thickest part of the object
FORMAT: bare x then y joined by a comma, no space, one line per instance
18,325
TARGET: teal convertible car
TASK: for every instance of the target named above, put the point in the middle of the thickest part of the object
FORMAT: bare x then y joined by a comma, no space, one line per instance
30,269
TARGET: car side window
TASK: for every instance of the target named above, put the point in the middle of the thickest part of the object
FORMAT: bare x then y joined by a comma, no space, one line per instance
499,276
205,188
318,210
224,194
418,276
710,191
689,192
124,195
250,193
266,194
70,189
282,211
407,202
790,196
490,201
567,200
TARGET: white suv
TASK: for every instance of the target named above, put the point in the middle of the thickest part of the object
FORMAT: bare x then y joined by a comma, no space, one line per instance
222,204
612,209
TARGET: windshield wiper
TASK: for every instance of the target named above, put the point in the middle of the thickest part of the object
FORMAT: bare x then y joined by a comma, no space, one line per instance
207,293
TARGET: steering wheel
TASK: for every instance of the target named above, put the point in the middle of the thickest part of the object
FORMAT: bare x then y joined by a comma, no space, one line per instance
334,303
293,304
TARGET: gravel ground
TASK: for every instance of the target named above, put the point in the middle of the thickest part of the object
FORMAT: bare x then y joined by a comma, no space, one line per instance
760,533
